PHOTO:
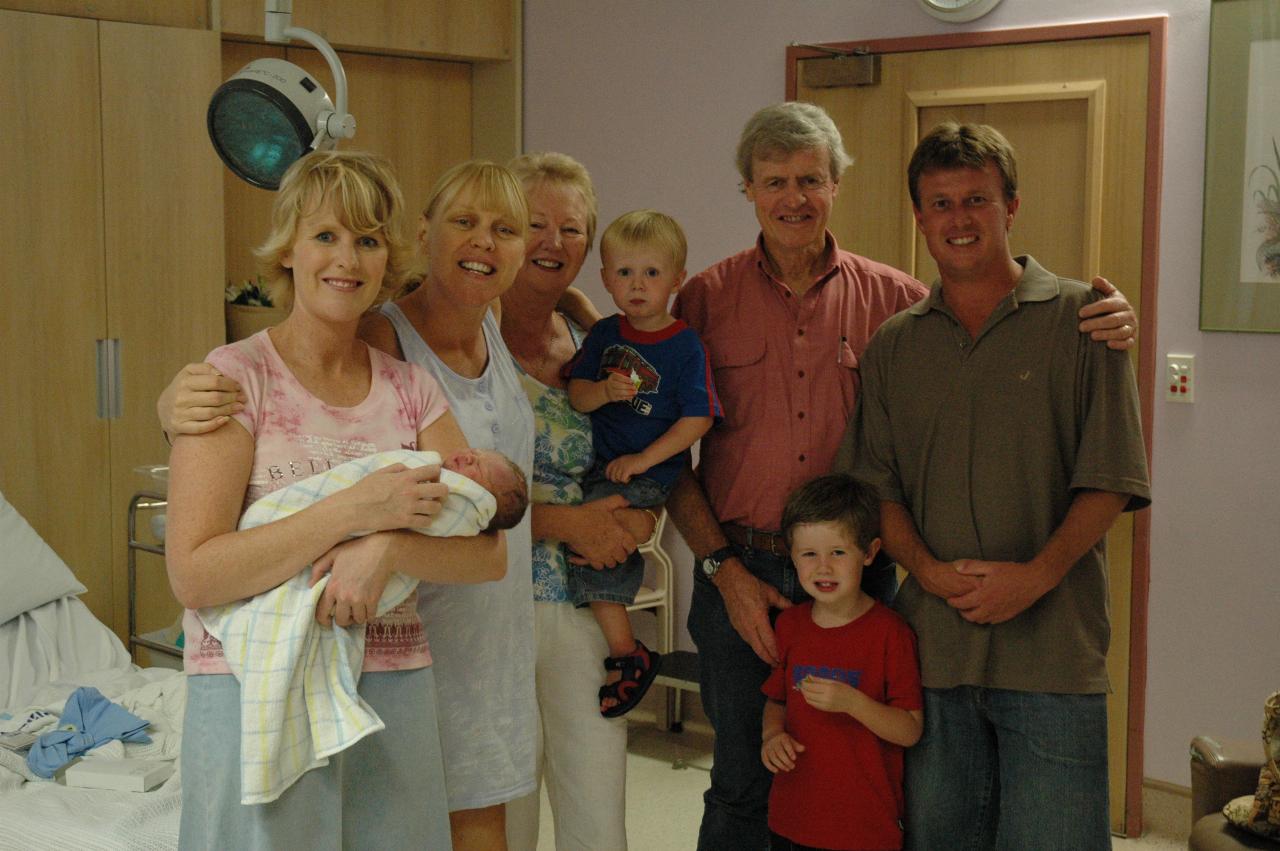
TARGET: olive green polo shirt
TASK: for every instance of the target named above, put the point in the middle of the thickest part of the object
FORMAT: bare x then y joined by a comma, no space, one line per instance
986,442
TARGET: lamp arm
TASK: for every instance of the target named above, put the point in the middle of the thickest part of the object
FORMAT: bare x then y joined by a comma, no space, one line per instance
278,28
331,56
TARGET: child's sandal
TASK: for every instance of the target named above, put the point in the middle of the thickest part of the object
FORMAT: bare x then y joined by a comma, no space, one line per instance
638,671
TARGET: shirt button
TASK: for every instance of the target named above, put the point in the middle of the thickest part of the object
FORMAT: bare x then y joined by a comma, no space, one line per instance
801,457
802,373
488,406
800,332
800,415
496,428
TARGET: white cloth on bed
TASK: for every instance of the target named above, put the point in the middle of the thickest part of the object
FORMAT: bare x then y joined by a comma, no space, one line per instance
47,816
56,641
299,703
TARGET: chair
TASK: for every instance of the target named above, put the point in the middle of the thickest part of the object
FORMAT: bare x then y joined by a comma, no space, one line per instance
658,599
1222,770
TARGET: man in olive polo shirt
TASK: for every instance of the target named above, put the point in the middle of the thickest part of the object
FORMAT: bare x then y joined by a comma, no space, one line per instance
1004,444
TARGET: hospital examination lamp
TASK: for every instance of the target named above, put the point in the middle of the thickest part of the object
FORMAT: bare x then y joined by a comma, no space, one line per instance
271,112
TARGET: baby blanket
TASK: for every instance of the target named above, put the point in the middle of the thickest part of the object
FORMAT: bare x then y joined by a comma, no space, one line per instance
298,698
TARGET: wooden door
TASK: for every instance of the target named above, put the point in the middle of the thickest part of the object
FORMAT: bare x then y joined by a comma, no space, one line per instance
162,195
1076,111
54,467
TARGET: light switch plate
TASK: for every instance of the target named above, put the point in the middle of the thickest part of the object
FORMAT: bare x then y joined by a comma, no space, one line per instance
1180,378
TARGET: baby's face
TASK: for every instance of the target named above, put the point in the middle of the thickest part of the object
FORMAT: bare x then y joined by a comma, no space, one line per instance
485,467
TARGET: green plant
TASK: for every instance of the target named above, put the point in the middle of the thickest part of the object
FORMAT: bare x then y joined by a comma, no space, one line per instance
1268,199
252,293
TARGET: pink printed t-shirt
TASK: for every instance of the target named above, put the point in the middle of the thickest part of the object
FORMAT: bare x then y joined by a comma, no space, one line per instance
296,435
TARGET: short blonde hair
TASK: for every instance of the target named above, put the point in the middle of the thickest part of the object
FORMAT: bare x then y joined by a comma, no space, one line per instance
495,187
562,170
647,229
366,198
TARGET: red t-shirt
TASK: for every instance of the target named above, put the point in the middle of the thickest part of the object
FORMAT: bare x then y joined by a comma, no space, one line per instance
846,789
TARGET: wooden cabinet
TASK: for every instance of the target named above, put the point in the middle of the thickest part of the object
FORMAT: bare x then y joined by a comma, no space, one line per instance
454,29
111,229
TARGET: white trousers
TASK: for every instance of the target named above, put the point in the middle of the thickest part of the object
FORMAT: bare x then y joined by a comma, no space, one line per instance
582,756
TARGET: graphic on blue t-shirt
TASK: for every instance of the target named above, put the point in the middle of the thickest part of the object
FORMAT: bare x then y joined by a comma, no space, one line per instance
843,675
629,362
671,359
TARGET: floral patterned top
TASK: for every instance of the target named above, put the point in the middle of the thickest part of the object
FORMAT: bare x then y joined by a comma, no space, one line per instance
562,455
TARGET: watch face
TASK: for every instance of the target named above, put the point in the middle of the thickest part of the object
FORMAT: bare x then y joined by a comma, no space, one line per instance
949,4
709,566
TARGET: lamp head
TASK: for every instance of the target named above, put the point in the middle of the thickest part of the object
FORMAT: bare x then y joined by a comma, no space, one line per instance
267,116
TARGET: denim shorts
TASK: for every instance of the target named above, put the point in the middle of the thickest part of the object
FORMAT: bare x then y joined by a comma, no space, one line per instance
620,583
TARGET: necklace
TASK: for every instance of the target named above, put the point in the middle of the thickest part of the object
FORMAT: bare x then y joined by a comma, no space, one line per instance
541,351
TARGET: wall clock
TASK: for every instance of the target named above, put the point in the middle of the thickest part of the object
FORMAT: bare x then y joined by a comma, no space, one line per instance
958,11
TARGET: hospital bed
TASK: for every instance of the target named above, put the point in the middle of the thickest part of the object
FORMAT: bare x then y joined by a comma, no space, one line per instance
50,644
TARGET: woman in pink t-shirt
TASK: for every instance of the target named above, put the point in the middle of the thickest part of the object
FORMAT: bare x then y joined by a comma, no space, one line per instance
314,396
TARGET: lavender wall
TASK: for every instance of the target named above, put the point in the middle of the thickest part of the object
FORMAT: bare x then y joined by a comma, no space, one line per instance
651,95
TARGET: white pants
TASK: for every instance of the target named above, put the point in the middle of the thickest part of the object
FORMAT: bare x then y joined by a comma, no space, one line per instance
582,756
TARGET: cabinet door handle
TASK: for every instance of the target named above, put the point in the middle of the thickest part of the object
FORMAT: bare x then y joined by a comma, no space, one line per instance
110,396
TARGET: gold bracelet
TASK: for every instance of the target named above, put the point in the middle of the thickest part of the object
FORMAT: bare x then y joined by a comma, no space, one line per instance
655,521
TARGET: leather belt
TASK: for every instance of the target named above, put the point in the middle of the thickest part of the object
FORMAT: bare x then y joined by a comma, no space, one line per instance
756,539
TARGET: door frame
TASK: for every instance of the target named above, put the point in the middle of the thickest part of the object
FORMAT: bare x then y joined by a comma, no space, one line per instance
1156,30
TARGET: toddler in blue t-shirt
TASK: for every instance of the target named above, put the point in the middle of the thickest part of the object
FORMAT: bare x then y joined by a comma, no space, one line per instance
644,377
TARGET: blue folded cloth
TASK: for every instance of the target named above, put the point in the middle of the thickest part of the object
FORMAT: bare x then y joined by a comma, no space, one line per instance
88,720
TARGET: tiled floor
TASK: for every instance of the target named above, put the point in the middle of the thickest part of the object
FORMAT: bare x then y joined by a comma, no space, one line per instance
667,774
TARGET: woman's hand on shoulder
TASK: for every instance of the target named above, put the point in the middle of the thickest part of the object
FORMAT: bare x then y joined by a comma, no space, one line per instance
198,400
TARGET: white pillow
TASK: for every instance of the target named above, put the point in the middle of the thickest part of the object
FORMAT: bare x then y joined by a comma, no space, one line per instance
31,574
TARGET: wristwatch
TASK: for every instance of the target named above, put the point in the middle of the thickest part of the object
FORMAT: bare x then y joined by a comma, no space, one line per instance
710,564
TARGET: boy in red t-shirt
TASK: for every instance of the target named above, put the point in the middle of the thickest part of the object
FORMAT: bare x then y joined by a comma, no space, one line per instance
846,699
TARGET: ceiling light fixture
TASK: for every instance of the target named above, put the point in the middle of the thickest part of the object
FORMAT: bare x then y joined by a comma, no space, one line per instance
271,112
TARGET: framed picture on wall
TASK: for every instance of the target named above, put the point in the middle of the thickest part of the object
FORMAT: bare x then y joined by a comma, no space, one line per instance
1240,262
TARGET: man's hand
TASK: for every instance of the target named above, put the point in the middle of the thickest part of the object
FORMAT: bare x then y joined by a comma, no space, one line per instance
829,695
941,579
1111,319
748,600
1006,590
779,752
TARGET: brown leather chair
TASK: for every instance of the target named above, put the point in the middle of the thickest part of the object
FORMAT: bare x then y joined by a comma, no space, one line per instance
1222,770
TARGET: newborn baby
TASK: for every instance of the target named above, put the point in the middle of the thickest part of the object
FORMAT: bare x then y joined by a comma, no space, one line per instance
497,474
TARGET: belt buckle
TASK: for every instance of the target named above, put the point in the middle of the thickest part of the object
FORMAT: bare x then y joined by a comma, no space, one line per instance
772,539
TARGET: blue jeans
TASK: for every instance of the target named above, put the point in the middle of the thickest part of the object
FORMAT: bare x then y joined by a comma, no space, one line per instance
620,583
735,808
1001,769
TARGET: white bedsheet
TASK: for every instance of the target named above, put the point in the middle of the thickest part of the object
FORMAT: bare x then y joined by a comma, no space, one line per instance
42,814
56,641
46,653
